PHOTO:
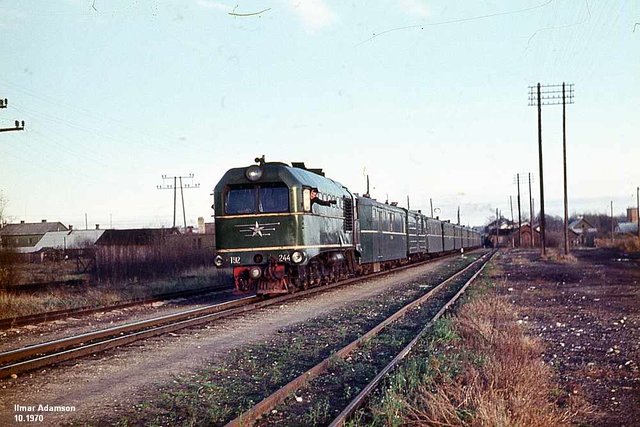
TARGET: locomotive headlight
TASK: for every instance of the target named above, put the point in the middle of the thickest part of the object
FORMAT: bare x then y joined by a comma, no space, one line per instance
253,173
218,261
297,257
255,272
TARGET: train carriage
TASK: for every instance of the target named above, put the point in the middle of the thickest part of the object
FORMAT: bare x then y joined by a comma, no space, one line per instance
416,235
447,237
383,237
435,240
457,237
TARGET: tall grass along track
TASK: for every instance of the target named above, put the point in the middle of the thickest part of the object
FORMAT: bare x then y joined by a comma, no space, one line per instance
83,311
268,404
48,353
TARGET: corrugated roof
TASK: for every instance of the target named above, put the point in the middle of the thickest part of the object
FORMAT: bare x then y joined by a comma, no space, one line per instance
30,228
627,227
140,236
72,239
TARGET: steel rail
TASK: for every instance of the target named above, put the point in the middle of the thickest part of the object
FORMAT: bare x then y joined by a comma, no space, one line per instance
33,319
227,308
148,328
250,416
357,402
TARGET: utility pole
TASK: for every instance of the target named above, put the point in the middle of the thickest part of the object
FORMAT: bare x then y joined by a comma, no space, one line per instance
458,215
533,242
511,205
564,163
19,125
519,215
550,95
612,222
497,228
174,187
431,203
537,101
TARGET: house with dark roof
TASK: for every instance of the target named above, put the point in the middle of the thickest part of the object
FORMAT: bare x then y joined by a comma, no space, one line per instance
582,233
25,236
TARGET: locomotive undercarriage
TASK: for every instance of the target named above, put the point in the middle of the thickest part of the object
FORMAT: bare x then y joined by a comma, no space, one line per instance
280,278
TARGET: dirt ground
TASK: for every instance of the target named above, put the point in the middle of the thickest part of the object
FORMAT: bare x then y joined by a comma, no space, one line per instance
587,311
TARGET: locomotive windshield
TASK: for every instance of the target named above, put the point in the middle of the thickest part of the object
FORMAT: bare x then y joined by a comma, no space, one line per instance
264,198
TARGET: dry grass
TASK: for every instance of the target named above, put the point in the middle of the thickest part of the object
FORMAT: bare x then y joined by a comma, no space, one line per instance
625,243
104,294
557,255
493,375
629,244
22,305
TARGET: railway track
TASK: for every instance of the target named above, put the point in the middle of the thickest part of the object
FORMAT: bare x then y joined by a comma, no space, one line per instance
277,398
83,311
36,356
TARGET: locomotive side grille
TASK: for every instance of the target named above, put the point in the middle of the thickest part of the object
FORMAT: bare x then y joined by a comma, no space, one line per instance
348,214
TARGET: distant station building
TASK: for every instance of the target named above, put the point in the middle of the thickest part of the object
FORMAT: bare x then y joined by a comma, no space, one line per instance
582,233
507,234
631,226
24,237
499,232
526,237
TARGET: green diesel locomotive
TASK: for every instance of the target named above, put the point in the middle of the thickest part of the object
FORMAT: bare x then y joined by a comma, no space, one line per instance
282,227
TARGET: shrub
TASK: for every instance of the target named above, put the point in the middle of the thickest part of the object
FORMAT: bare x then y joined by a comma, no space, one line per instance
8,271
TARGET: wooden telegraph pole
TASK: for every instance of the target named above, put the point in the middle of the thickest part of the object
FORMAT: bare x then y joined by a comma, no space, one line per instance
519,215
174,187
533,240
552,95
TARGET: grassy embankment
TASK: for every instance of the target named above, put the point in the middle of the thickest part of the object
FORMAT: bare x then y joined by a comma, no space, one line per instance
103,294
479,367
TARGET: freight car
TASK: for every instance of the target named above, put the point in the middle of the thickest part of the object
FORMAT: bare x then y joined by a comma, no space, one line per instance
284,228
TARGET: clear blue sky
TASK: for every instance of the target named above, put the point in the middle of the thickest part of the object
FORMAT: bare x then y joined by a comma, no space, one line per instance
427,97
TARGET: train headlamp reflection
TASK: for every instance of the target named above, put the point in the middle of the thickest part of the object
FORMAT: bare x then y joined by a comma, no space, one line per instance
218,261
297,257
255,272
253,173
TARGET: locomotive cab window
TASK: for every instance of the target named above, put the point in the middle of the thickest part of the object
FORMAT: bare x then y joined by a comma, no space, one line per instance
265,198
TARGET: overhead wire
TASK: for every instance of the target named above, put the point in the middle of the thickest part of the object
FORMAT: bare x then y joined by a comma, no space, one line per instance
159,139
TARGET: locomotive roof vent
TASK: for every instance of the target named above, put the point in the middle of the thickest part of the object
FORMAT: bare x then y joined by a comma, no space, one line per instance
301,165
